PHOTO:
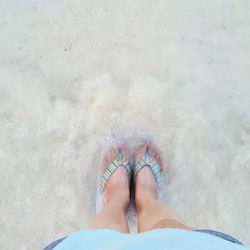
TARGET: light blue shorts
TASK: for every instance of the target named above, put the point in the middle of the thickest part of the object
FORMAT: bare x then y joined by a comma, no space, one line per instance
221,235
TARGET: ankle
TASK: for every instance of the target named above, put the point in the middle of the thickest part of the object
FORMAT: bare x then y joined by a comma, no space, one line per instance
144,202
117,189
146,188
118,202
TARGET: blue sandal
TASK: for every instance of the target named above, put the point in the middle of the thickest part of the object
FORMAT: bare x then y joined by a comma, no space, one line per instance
148,161
119,161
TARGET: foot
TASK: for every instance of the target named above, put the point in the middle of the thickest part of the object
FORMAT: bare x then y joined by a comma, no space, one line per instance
145,183
117,187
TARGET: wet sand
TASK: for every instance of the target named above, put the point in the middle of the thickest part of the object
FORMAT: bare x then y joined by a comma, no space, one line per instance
77,76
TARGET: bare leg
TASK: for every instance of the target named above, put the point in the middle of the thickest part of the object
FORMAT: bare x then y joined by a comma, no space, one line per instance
151,213
116,199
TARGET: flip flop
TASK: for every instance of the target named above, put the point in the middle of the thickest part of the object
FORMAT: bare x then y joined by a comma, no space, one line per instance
119,161
148,161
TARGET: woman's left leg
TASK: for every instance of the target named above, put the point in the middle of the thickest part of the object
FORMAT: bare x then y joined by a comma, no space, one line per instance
116,199
112,216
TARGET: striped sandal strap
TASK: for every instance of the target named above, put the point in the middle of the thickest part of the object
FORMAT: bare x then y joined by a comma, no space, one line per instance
119,161
148,161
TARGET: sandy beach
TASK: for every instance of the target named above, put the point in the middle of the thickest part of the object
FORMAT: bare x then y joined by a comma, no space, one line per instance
77,76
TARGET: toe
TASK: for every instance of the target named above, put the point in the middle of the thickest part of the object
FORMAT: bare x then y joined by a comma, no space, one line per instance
140,150
125,150
110,155
153,151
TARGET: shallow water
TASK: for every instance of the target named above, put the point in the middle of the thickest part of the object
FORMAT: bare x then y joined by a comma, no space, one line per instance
76,76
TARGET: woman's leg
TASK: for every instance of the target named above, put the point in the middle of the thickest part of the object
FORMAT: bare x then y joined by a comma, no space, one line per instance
151,213
116,200
113,215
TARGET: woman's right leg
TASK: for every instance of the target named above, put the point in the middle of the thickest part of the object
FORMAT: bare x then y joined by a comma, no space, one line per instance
151,213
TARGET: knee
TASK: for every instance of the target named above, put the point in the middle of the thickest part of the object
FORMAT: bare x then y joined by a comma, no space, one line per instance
170,223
